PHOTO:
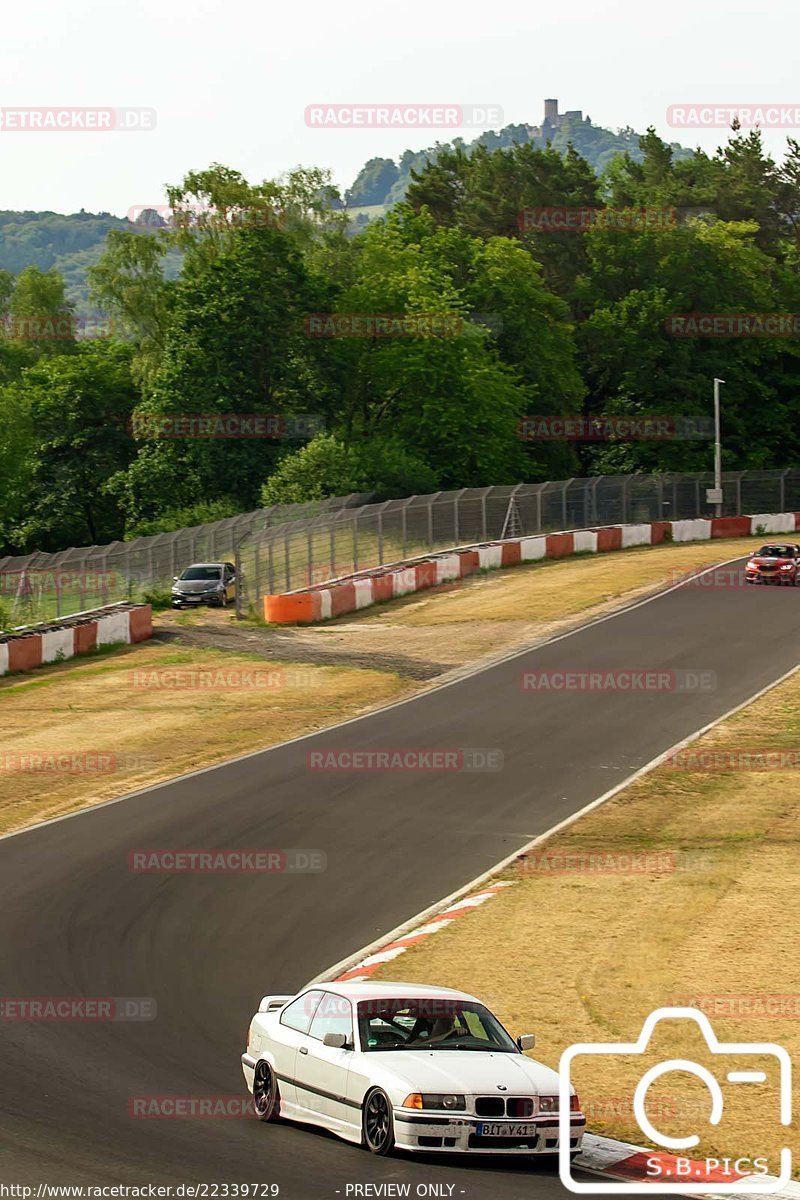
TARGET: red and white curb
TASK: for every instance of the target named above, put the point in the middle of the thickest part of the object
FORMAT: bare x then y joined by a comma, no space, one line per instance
78,634
603,1156
624,1162
351,593
369,965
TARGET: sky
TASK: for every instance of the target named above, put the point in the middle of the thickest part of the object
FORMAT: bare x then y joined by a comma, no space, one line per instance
230,80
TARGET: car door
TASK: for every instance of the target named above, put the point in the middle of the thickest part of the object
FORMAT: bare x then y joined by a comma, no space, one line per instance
229,579
293,1024
321,1071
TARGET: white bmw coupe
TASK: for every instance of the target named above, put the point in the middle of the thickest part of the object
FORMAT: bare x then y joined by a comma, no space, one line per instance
397,1064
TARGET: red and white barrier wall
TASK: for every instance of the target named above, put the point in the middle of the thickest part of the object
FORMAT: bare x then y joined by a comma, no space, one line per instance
322,601
77,635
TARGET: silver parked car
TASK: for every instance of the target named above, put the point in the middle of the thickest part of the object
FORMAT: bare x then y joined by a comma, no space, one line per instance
205,583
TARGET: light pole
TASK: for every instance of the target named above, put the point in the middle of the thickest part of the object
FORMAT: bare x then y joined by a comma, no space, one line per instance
717,450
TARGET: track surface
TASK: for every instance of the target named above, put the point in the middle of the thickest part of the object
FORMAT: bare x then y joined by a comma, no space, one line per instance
75,921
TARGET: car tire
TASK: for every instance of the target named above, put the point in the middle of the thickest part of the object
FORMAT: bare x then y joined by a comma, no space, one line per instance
266,1097
377,1123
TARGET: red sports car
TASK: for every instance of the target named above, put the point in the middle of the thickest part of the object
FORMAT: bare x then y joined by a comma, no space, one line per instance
777,562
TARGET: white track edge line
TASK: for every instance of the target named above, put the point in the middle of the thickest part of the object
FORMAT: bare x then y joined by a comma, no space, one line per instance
407,927
476,669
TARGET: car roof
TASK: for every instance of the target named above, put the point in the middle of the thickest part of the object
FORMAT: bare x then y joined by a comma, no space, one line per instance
355,989
208,564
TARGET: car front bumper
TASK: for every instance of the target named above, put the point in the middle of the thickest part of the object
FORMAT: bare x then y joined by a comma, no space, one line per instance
770,577
458,1134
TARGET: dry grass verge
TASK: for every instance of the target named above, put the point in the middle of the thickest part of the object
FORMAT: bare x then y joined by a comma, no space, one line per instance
97,728
584,946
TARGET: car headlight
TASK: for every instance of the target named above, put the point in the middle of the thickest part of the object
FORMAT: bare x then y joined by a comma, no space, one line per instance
440,1101
787,566
751,566
176,591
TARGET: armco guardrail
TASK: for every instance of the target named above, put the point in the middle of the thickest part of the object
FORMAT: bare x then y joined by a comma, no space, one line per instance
304,553
360,590
35,646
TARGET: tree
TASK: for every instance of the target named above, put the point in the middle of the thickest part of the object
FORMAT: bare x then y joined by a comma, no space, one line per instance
76,407
235,343
40,314
326,467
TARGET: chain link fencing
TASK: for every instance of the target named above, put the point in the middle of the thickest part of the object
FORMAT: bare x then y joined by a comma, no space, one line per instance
42,587
285,547
299,553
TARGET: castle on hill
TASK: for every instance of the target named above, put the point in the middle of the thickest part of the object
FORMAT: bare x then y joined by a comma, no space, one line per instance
553,120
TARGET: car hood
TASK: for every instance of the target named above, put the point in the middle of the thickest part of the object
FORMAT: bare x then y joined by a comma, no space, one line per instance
468,1071
191,586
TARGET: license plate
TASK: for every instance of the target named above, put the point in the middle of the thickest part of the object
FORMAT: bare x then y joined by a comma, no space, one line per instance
505,1129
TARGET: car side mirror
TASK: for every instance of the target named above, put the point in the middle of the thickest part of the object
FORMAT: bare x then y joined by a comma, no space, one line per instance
526,1041
174,578
336,1041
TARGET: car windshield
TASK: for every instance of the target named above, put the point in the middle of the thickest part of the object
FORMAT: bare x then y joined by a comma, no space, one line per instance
208,573
773,551
428,1023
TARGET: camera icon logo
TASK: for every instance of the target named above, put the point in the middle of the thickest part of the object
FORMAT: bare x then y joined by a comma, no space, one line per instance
736,1073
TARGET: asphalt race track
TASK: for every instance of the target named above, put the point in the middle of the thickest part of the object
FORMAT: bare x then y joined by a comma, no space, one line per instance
74,920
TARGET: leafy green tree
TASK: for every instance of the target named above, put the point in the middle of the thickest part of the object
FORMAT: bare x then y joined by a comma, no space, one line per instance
327,467
40,312
633,364
235,343
129,284
76,407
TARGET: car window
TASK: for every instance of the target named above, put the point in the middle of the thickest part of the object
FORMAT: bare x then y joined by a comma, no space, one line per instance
334,1015
430,1023
298,1014
207,573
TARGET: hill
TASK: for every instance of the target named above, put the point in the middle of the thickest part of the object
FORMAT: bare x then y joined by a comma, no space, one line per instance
72,243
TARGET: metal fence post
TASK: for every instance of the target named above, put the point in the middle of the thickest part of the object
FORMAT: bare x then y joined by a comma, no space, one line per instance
783,490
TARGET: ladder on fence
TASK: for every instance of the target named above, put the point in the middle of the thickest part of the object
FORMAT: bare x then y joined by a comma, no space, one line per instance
512,525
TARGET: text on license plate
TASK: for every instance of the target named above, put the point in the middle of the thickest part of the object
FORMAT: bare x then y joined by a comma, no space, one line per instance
505,1129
